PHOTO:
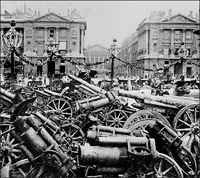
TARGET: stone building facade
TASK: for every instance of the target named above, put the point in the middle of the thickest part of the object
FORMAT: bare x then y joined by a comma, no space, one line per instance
98,53
69,34
158,39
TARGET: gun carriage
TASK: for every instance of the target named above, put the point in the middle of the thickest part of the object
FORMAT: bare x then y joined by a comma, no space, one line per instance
48,152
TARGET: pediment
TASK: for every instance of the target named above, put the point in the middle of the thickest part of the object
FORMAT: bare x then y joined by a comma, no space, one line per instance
179,19
98,48
51,17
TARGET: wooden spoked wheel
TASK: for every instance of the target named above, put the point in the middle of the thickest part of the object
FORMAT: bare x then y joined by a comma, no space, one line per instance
9,151
21,168
144,115
61,108
187,121
116,118
187,124
139,129
75,136
163,166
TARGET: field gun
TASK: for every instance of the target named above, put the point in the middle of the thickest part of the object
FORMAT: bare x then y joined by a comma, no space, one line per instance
8,99
115,110
167,105
114,152
182,150
42,142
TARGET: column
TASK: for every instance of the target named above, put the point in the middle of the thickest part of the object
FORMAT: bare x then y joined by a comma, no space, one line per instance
183,39
171,69
184,68
45,35
172,38
147,37
57,37
172,43
1,48
82,38
161,37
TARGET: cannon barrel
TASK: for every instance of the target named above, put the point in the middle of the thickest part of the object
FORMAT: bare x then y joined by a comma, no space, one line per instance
116,154
92,135
93,104
94,98
179,102
90,86
7,94
104,156
122,141
86,90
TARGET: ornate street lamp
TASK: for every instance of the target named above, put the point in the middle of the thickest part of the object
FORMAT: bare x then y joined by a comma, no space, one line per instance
51,49
12,39
113,49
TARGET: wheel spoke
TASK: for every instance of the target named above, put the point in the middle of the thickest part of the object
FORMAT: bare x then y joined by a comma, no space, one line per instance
55,105
169,169
22,172
184,122
188,115
9,159
183,130
63,105
51,107
122,117
58,104
16,151
66,109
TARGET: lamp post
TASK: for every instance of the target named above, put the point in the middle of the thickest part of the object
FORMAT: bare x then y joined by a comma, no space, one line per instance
112,51
52,49
12,39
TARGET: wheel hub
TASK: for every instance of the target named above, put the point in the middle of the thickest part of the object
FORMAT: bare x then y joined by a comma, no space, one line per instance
195,128
159,175
6,148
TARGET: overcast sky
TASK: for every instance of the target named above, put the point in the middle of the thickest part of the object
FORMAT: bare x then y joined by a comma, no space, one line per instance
107,19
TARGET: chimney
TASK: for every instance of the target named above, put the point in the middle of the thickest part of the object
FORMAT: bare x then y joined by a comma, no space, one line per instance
170,12
24,7
191,15
197,16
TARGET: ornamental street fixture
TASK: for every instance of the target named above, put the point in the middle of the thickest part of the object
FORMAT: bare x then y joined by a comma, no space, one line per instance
12,39
113,49
51,49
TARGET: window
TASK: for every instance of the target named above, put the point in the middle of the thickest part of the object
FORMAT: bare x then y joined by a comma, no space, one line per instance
176,51
166,62
62,45
177,35
155,47
188,35
74,33
51,31
166,35
189,52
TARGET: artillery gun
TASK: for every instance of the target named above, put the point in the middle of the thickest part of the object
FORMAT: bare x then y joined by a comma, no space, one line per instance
182,113
46,148
105,104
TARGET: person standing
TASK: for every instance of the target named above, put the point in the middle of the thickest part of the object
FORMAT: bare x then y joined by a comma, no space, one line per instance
183,52
39,67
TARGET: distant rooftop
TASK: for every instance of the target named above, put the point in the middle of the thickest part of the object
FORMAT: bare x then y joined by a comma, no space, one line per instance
29,14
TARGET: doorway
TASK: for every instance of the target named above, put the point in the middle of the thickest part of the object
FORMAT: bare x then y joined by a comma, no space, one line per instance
189,72
62,69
